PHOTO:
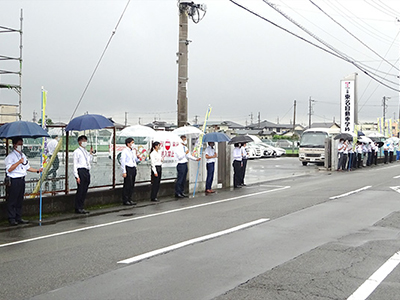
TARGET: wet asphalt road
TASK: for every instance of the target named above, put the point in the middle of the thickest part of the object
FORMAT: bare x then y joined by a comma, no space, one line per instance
320,235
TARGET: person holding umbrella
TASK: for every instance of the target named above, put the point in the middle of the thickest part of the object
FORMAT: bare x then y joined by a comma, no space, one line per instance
211,156
16,167
237,166
82,159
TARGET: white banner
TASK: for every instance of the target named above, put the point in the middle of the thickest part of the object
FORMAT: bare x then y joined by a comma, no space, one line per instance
348,104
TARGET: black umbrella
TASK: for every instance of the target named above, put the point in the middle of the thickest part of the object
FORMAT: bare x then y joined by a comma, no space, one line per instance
345,136
380,144
22,129
240,139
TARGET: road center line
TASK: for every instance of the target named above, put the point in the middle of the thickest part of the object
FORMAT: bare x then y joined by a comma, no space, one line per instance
350,193
138,218
189,242
375,280
398,176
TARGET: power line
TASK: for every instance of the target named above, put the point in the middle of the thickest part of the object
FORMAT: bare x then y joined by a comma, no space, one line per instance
100,59
315,45
325,13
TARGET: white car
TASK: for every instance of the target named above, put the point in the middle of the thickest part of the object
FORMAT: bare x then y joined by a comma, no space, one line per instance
270,151
253,151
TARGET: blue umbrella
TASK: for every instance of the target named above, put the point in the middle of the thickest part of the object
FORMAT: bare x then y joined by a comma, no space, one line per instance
22,129
216,137
89,121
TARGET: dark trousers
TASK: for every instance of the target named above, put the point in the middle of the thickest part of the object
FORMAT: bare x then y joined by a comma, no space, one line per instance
359,160
15,198
155,183
210,174
80,196
344,161
350,162
374,157
54,167
129,184
369,159
385,152
182,170
237,176
390,156
244,165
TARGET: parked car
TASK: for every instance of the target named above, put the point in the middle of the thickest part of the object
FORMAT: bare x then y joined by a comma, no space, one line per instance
284,143
270,151
253,151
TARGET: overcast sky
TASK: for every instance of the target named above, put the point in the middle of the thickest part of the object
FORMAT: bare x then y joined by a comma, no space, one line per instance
238,63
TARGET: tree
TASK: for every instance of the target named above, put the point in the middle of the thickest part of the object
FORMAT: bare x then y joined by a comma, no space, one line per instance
48,121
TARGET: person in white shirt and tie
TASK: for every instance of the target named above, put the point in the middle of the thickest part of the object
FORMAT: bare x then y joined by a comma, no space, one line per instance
82,159
237,166
182,154
211,157
128,165
16,166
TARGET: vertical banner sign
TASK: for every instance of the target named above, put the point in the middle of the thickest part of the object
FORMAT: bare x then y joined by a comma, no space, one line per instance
348,104
198,149
44,140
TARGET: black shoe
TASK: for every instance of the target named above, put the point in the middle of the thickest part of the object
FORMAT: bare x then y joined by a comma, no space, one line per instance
129,203
244,184
237,187
81,211
22,221
179,196
133,203
184,195
13,223
154,200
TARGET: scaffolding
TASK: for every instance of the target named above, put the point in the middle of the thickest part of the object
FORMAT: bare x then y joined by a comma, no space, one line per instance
11,73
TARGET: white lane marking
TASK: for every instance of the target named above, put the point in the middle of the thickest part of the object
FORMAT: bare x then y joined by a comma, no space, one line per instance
189,242
138,218
398,176
395,188
349,193
372,283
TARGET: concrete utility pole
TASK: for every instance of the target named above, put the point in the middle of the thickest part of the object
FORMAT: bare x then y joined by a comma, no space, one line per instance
385,106
259,120
310,103
126,118
294,116
186,10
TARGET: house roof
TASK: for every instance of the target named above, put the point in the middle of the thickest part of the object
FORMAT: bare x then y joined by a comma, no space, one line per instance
325,125
230,124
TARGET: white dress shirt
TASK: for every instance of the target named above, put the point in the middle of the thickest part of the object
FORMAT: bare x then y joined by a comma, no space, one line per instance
243,152
237,154
20,170
180,154
156,160
210,152
82,159
341,147
51,146
128,158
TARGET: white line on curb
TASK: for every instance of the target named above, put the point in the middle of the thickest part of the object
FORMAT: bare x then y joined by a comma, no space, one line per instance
349,193
189,242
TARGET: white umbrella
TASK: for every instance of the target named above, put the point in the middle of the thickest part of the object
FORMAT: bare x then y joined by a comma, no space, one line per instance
395,140
365,140
187,130
137,131
375,134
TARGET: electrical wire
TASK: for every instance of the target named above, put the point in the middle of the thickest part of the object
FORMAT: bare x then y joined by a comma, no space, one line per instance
100,59
325,13
315,45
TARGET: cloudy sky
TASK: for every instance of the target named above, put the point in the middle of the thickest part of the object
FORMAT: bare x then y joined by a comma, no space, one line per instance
240,64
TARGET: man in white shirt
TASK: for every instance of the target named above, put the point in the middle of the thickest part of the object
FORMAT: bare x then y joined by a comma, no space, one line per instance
244,163
51,147
128,165
341,147
82,159
211,156
237,166
182,155
16,166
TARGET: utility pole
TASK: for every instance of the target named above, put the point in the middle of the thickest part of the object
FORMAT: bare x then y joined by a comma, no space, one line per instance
186,10
259,120
126,118
310,104
294,116
251,118
384,113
